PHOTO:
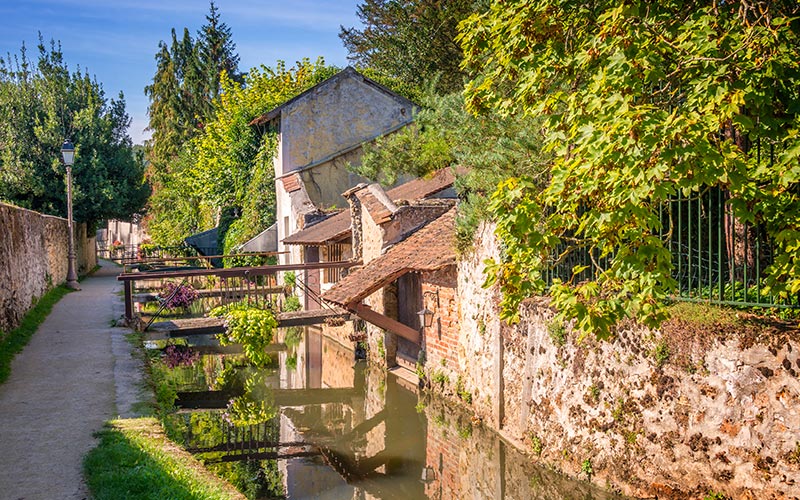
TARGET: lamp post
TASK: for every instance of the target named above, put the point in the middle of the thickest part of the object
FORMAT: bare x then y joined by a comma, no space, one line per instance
68,153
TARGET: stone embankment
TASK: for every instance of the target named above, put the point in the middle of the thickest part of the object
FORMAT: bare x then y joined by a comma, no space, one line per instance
706,404
33,258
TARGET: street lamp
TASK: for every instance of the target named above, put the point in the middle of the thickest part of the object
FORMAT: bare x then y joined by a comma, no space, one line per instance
68,152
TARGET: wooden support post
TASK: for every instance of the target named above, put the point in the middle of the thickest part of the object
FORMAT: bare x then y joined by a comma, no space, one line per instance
364,312
128,300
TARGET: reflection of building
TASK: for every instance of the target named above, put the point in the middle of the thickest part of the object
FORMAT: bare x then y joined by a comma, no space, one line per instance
371,443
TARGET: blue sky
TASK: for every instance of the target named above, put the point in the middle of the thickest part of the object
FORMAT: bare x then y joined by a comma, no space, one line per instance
116,40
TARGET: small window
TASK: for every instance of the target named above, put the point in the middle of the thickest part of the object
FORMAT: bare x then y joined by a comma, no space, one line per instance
333,253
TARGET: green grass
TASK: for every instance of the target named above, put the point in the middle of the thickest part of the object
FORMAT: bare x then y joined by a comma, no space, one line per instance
15,340
135,460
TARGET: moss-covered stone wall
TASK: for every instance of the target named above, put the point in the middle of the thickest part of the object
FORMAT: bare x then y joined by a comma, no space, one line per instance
33,259
709,403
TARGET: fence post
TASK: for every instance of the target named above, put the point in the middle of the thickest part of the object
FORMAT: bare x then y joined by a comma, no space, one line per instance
128,300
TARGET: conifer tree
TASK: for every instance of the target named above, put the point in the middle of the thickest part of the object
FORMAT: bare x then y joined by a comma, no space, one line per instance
216,52
186,82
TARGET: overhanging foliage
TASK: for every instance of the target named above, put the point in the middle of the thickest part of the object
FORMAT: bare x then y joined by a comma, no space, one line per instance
642,101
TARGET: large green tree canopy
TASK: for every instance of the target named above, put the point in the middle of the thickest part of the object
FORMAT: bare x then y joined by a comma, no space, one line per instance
413,40
227,166
186,81
41,105
641,101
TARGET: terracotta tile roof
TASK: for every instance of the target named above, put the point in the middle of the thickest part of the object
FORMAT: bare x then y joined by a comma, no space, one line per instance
291,183
336,227
429,249
377,203
333,228
421,188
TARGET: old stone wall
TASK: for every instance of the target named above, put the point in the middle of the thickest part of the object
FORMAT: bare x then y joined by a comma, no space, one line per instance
480,338
676,413
33,258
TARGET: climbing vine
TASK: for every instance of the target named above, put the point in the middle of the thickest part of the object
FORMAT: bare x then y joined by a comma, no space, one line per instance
641,101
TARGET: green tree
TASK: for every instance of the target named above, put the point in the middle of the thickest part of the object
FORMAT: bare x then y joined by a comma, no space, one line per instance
186,81
41,106
641,101
413,40
488,148
216,52
228,166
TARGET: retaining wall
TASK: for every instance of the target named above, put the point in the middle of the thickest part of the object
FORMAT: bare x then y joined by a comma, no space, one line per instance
676,413
33,258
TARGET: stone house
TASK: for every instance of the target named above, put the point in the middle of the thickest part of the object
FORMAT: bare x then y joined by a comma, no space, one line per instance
409,267
320,132
331,239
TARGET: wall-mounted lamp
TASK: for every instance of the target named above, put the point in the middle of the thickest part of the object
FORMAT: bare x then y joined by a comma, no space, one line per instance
425,317
428,474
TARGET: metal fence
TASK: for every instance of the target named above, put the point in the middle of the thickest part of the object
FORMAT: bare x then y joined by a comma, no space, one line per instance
716,257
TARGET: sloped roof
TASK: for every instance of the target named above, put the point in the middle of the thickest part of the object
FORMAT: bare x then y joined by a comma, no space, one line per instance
333,228
348,71
291,183
337,226
265,241
421,188
205,242
429,249
377,203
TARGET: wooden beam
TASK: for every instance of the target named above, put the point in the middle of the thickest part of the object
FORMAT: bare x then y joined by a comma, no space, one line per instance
364,312
202,326
235,271
128,300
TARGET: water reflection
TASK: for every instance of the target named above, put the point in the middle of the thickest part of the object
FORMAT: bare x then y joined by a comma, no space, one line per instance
317,424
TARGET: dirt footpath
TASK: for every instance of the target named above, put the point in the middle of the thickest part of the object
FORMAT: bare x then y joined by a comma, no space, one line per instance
75,373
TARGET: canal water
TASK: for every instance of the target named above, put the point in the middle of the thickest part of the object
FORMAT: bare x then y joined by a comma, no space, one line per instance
315,423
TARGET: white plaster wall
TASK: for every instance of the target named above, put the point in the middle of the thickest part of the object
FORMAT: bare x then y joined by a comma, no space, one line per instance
335,117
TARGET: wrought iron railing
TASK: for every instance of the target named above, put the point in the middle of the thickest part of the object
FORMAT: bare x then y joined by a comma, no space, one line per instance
716,257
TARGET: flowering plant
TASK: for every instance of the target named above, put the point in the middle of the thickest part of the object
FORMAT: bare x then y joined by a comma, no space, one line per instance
179,355
184,297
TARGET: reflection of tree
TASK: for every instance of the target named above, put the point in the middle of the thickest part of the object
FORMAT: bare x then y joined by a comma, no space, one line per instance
254,478
291,362
294,334
256,405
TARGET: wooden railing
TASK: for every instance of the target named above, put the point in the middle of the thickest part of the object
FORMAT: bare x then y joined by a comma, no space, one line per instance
231,283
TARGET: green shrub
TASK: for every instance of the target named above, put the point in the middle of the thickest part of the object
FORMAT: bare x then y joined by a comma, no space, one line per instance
292,303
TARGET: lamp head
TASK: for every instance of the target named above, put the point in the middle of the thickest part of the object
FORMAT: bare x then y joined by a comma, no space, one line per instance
68,153
425,317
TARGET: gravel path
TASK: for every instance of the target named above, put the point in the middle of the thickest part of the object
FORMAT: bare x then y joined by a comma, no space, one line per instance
75,373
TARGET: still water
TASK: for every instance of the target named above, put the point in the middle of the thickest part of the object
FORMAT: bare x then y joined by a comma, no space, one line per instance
315,423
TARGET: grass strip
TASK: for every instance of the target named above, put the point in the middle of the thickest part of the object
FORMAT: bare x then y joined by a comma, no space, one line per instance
15,340
135,460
